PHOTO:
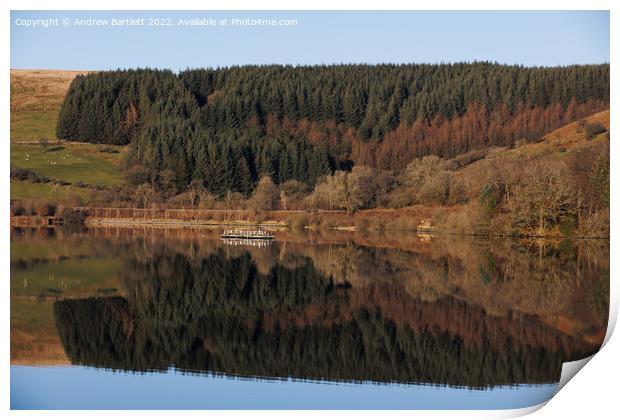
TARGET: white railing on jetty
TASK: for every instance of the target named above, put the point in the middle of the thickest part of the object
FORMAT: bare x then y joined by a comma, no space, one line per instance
247,234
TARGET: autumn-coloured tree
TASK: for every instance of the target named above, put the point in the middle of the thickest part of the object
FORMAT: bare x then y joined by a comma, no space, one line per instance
266,195
143,194
544,196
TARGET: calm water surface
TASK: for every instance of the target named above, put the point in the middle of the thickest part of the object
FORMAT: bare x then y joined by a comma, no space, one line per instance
122,318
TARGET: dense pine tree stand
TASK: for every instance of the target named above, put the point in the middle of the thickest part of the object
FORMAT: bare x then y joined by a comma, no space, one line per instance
226,128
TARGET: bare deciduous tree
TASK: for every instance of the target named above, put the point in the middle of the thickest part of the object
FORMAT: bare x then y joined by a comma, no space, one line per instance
144,194
195,189
543,196
420,170
442,188
266,195
350,191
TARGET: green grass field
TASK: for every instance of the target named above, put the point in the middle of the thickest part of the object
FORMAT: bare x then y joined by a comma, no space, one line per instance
23,190
71,162
33,125
32,315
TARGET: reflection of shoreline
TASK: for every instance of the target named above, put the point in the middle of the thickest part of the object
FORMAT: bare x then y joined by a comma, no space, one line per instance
38,362
403,240
428,272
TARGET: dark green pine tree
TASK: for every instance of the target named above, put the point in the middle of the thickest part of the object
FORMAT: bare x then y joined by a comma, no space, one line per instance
392,117
68,125
201,165
243,177
285,166
319,164
216,180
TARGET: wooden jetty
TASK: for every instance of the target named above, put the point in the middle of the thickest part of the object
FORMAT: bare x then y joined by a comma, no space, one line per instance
247,234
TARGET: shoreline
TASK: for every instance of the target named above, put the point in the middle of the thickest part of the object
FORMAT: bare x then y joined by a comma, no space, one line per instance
272,225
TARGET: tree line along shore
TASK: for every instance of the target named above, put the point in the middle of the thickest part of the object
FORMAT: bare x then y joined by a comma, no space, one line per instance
478,148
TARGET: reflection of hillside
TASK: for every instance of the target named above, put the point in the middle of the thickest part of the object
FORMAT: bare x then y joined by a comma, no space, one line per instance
447,315
34,340
48,264
563,283
366,348
500,277
223,314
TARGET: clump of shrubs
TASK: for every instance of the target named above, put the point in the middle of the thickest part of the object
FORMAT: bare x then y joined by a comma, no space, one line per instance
71,217
108,149
32,208
17,208
45,209
23,174
400,199
593,130
38,209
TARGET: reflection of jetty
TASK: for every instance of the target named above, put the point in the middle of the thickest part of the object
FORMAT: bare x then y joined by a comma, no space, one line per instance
247,242
247,234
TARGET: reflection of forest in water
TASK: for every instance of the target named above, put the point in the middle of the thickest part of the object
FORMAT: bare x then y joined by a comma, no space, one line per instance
455,312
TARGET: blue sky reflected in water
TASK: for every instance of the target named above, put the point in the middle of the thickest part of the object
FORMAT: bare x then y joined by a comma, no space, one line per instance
88,388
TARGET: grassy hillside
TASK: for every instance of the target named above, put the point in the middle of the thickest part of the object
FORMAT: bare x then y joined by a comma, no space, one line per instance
86,163
558,146
36,96
570,163
83,166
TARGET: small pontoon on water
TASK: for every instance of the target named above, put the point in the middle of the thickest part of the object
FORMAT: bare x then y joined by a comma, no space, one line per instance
247,234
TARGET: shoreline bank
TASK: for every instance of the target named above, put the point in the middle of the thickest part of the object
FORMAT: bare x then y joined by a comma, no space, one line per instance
272,225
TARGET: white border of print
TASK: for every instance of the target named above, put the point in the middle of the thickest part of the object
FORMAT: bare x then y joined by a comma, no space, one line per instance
593,393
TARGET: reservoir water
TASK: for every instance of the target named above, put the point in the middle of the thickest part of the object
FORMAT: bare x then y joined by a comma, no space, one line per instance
153,318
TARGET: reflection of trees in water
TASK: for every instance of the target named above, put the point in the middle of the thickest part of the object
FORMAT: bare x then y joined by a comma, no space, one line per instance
541,277
232,286
366,348
221,313
501,276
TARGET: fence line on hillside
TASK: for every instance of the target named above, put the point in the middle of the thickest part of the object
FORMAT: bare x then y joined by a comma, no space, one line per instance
187,214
